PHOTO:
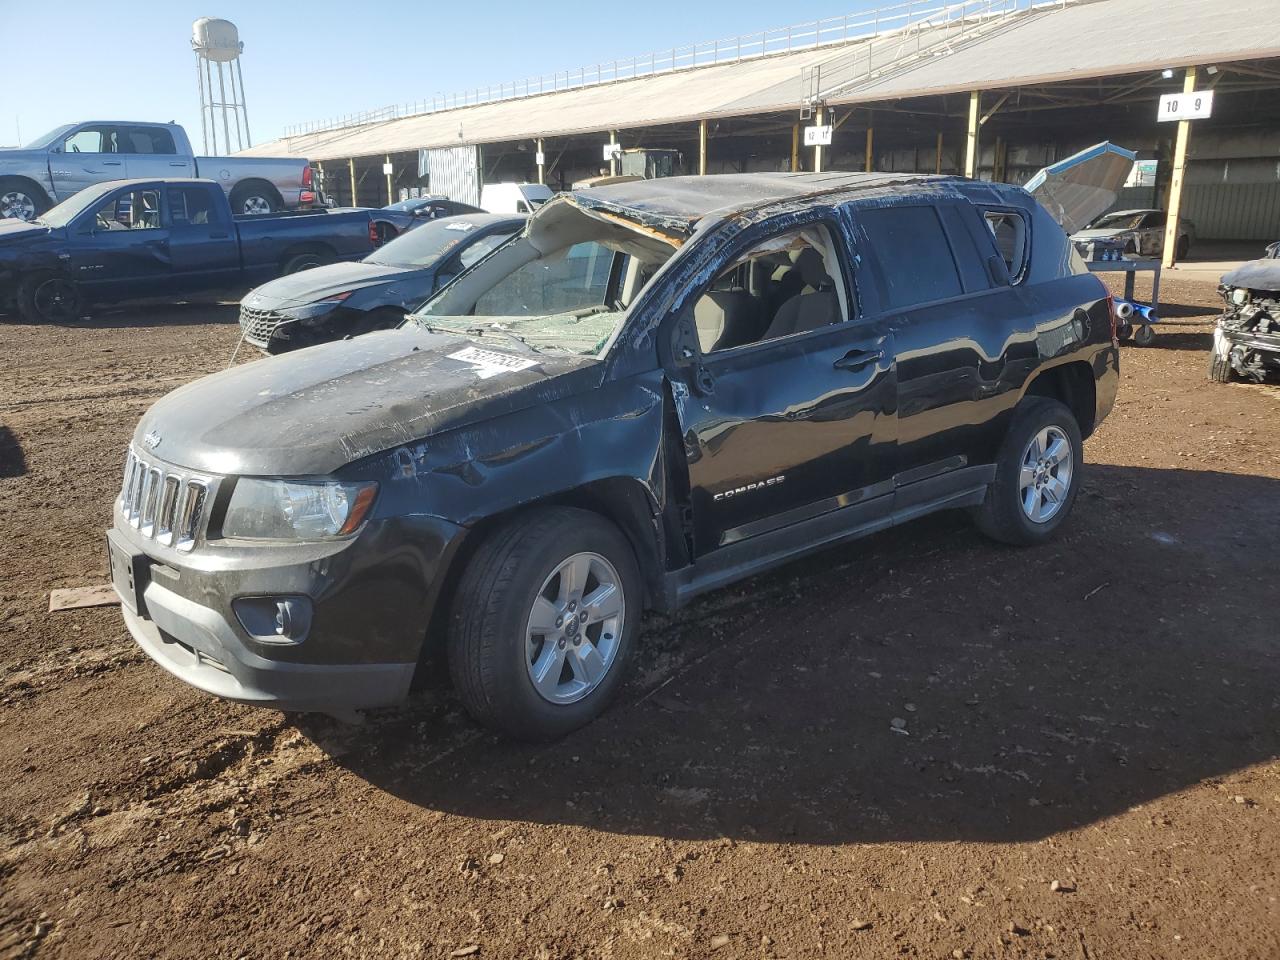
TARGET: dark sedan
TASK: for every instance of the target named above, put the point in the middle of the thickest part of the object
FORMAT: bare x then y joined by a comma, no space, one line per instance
348,299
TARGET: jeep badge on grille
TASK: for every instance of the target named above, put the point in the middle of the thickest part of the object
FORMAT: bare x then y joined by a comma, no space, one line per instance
151,440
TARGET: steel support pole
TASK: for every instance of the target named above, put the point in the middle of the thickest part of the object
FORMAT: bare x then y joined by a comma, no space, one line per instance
1175,183
614,163
938,165
204,119
244,106
213,125
542,163
351,167
390,198
971,138
226,127
871,155
795,147
702,148
818,116
235,106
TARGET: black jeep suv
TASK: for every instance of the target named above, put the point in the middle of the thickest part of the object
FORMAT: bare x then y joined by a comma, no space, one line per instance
656,388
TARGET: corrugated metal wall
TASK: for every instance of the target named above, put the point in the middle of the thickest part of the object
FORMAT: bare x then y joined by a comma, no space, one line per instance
453,172
1233,199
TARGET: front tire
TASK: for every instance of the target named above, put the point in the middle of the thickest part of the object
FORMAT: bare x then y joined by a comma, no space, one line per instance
1220,369
21,201
543,622
48,298
1037,475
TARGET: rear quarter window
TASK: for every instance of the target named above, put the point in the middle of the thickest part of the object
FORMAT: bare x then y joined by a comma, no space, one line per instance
1010,235
911,248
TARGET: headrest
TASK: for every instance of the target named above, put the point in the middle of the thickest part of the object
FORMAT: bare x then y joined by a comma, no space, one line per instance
812,268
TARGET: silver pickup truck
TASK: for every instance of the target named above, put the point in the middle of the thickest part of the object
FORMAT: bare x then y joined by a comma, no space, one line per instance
74,156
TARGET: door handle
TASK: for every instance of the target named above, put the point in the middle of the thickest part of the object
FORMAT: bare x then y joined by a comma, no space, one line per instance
111,163
857,359
177,163
158,244
219,236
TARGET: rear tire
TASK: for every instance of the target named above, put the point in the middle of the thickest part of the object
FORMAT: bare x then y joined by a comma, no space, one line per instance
1036,480
48,298
550,568
254,198
303,261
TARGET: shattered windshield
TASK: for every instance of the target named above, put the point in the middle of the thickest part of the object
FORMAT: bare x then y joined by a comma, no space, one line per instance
564,286
1119,221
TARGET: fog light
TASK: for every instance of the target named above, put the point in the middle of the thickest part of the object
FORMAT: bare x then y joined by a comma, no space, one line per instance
275,619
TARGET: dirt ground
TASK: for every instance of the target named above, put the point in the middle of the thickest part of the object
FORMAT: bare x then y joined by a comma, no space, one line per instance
1103,712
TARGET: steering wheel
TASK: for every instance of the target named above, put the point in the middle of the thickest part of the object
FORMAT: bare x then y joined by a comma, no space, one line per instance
74,148
103,222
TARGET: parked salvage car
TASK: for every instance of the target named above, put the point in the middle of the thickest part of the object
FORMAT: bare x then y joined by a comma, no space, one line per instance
55,167
1246,341
423,209
1138,231
138,239
656,389
348,299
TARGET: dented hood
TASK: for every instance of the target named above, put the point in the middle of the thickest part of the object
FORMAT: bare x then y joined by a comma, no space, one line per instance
313,411
1078,190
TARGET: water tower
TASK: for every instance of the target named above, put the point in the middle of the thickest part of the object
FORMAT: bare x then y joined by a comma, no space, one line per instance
217,42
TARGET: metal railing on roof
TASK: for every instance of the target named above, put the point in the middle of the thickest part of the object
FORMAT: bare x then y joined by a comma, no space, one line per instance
868,24
930,32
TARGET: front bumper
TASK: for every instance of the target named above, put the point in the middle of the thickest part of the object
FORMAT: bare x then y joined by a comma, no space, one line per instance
372,601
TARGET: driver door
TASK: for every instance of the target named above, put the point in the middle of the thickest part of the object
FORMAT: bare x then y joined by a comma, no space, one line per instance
121,247
790,411
87,156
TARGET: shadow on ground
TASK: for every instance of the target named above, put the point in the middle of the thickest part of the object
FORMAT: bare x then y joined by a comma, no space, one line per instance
194,313
1038,690
13,462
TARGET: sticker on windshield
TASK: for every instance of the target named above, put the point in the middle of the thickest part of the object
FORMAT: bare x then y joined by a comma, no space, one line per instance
490,363
463,226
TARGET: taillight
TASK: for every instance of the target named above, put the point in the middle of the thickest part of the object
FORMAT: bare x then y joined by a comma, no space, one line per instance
373,237
308,176
1115,321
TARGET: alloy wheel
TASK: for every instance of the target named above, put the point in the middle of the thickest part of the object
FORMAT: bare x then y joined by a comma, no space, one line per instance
56,299
1045,475
18,205
575,628
256,205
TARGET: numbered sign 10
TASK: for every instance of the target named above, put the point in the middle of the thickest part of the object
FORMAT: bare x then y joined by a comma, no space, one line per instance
1186,106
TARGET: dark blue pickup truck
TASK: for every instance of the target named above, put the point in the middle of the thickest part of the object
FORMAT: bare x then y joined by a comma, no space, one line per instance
136,239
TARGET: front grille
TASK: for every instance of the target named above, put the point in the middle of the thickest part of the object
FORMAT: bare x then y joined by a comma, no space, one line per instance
163,504
259,325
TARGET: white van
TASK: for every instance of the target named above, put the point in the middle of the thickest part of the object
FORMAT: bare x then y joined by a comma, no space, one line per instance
513,197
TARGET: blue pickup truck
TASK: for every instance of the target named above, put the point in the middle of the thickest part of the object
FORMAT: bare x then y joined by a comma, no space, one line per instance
172,238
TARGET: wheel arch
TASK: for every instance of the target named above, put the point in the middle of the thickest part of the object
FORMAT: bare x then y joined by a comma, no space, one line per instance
257,183
1072,384
625,502
38,189
311,246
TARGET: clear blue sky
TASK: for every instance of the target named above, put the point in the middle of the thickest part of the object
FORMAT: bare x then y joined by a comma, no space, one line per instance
312,59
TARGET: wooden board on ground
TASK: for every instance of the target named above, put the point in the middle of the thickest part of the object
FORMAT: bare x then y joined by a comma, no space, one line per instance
102,595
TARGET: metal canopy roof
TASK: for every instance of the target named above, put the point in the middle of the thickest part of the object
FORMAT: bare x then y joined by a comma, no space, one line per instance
1081,39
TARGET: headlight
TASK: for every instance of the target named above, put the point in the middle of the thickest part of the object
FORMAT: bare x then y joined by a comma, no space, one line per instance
1239,296
317,308
296,509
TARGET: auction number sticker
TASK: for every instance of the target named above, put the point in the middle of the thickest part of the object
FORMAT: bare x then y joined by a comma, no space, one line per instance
490,363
